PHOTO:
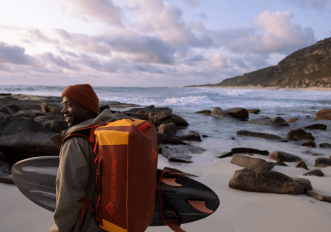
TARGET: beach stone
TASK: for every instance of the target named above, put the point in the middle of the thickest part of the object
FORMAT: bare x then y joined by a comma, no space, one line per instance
249,150
218,112
142,116
167,139
238,112
21,139
319,197
226,154
325,145
304,182
266,121
203,112
191,136
165,118
180,153
168,129
301,164
260,135
253,111
324,114
315,172
309,144
264,181
52,107
279,163
322,162
281,156
316,127
251,163
205,136
299,134
292,119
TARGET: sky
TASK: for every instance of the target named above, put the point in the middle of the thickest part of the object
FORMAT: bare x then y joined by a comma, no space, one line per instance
151,43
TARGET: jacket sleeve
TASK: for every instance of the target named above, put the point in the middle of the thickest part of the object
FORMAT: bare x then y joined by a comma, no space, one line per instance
71,182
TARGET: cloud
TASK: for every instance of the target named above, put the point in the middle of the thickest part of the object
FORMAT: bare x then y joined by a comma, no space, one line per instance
217,61
13,54
191,2
37,35
320,5
100,10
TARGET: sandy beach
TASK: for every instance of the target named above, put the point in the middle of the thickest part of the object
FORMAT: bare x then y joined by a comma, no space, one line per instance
239,211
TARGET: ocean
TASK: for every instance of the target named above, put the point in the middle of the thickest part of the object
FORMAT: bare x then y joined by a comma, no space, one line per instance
302,104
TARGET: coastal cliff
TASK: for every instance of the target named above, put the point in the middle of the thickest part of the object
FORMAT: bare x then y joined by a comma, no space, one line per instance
307,67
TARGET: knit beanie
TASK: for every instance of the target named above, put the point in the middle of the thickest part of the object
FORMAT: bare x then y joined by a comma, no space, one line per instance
84,95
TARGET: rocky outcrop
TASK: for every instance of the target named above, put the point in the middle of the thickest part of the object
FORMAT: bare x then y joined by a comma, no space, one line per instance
180,153
284,157
315,172
307,67
251,163
324,114
5,173
261,135
325,145
218,112
253,111
195,136
322,162
167,139
309,144
301,164
299,134
249,150
315,127
166,117
168,129
265,181
266,121
203,111
239,113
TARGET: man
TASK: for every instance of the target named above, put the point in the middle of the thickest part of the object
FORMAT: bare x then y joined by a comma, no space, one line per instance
76,173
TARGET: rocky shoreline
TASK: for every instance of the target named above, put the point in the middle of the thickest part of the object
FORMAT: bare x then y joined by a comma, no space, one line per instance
27,122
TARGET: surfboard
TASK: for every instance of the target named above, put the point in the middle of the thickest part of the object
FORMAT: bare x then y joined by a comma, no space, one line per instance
35,178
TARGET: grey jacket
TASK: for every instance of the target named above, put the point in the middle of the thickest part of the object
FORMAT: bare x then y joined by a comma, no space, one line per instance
75,179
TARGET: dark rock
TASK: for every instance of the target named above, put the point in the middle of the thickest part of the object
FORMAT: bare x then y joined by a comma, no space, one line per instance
55,126
52,107
253,111
150,106
142,116
9,109
249,150
309,144
292,119
322,162
284,157
266,121
180,153
319,197
324,114
203,112
238,112
261,135
264,181
301,164
21,139
278,164
304,182
149,110
5,173
218,112
6,178
2,156
315,172
233,138
325,145
205,136
315,127
299,134
251,163
165,118
168,129
25,113
190,136
103,107
167,139
5,167
226,154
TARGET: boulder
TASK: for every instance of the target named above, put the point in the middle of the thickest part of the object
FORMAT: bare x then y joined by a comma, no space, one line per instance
9,109
25,113
279,163
299,134
292,119
239,113
55,125
264,181
284,157
180,153
319,197
325,145
142,116
304,182
165,118
324,114
249,150
168,129
191,136
309,144
52,107
218,112
103,107
251,163
315,172
167,139
21,138
261,135
253,111
301,164
316,127
226,154
203,112
266,121
5,173
322,162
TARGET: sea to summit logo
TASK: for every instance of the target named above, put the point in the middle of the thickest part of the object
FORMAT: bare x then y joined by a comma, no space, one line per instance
110,208
153,155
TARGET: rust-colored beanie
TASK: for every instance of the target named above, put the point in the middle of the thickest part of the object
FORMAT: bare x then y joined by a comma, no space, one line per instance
84,95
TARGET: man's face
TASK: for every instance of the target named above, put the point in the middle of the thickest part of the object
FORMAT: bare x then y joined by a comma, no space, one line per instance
73,112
